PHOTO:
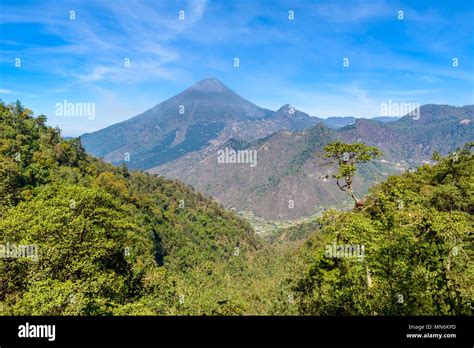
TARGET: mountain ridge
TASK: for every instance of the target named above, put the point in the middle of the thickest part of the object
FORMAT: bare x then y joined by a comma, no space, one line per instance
173,128
266,191
207,108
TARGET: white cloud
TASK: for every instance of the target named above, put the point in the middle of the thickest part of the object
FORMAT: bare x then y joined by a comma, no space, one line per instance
101,37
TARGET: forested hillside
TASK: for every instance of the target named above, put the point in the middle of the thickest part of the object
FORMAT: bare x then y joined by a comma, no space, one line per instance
110,241
115,242
416,233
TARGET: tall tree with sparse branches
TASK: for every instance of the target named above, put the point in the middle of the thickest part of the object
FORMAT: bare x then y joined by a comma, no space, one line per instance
346,157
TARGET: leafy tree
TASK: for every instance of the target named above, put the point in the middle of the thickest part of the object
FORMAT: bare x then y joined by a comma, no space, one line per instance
346,157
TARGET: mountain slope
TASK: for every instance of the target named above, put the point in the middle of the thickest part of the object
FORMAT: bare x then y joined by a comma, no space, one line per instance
288,169
288,182
441,128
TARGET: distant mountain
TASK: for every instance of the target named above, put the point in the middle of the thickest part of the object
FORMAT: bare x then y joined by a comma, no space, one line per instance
288,170
204,114
413,139
288,182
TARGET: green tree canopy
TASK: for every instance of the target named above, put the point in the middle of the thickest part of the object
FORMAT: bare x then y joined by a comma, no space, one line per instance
346,157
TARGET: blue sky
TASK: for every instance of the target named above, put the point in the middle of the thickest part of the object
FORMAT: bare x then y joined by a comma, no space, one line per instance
282,61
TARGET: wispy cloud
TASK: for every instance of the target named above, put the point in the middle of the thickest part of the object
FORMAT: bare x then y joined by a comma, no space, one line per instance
101,38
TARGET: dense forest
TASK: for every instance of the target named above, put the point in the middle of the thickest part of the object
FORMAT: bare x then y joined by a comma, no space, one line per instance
116,242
